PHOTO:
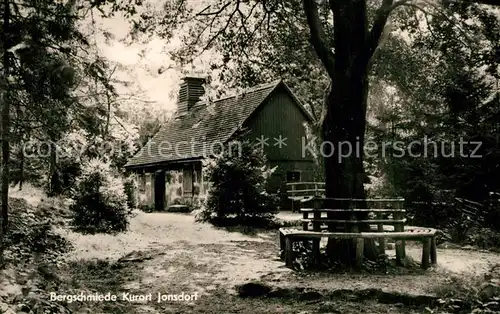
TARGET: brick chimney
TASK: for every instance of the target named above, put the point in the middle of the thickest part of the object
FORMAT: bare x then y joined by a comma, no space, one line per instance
190,92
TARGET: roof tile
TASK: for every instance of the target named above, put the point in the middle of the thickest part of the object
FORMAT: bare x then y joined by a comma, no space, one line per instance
193,134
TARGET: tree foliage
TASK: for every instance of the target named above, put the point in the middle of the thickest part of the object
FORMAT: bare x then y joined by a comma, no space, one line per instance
458,102
238,186
99,200
340,40
445,98
51,74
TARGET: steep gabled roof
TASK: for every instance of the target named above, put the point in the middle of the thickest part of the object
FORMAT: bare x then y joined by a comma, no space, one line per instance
192,135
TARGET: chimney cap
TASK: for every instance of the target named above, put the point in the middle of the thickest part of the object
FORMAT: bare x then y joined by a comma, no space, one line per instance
194,78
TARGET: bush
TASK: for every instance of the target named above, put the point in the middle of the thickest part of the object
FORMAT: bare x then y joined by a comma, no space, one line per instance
484,238
477,294
492,216
131,189
31,233
99,200
238,188
147,208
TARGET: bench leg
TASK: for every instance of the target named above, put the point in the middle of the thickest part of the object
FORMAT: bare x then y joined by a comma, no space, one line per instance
381,245
282,245
400,252
426,250
315,251
433,251
306,244
381,241
288,252
360,246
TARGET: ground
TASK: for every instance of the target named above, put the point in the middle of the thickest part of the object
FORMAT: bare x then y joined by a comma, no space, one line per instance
171,254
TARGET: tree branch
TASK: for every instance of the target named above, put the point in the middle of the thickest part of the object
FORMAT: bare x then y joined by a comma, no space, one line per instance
221,30
440,14
318,37
379,23
205,13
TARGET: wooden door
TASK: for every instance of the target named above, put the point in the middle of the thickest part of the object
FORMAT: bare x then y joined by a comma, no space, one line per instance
159,191
187,183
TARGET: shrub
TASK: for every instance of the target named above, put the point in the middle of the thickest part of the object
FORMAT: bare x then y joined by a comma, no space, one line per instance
238,182
187,205
131,189
471,294
493,211
99,200
31,233
63,177
147,208
484,238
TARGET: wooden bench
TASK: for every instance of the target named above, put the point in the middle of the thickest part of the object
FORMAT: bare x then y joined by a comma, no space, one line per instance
302,192
350,219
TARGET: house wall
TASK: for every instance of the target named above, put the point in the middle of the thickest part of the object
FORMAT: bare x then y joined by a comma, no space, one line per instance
146,192
280,116
173,186
176,191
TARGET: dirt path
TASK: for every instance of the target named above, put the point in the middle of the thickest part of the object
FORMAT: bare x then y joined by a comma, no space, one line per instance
150,231
179,256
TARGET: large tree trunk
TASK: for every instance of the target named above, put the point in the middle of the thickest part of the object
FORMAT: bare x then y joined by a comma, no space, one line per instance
5,130
4,173
344,126
345,121
4,170
55,183
347,62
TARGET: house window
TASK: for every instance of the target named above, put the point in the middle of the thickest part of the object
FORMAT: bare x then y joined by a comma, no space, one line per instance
293,176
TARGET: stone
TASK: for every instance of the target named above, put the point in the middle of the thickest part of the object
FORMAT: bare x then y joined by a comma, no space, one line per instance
10,288
329,307
253,289
489,290
310,295
281,293
4,307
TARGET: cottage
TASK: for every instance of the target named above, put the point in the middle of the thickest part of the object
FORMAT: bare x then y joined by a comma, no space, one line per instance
169,166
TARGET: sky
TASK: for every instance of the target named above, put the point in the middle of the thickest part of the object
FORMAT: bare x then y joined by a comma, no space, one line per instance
140,63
